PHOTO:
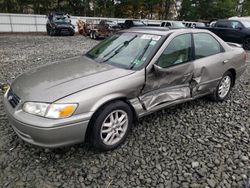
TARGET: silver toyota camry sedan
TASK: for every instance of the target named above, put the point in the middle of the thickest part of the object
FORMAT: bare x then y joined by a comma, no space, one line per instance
102,93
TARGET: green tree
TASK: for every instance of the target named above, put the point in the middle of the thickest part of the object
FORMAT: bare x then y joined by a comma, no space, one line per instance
188,10
246,8
207,10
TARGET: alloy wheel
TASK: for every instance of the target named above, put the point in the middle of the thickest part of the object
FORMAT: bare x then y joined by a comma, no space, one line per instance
224,86
114,127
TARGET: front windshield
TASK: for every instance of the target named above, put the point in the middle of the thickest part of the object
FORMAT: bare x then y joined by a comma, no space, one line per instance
126,50
61,19
246,24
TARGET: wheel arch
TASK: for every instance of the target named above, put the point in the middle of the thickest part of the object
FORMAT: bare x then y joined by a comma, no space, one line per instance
244,41
233,72
99,105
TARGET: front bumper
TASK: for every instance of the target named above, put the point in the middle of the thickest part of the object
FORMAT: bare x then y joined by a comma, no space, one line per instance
64,30
45,132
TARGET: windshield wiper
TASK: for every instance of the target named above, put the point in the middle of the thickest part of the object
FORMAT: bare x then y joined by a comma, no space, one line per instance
125,44
140,56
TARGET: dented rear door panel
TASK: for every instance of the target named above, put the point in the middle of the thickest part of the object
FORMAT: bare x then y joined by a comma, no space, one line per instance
207,73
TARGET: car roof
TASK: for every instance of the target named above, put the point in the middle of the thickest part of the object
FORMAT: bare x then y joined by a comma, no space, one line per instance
161,30
149,30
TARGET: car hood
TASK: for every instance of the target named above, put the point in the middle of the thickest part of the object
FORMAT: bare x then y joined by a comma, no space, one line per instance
52,82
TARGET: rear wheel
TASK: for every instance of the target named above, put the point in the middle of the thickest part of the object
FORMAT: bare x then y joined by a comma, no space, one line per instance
246,44
111,125
224,87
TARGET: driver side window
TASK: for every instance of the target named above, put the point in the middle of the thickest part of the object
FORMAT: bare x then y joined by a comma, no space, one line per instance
178,51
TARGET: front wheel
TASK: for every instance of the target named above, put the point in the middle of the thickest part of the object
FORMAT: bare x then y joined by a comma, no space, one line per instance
224,87
72,33
52,32
111,126
48,31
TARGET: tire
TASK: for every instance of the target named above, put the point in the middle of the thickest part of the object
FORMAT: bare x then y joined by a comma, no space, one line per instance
72,33
48,31
246,44
108,132
95,37
224,87
91,35
52,32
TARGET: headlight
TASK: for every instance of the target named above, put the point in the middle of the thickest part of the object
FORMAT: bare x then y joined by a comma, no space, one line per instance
54,111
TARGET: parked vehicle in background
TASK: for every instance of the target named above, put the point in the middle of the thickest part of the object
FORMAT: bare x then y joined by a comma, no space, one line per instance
172,24
127,76
59,24
236,31
246,18
211,24
132,23
193,24
101,28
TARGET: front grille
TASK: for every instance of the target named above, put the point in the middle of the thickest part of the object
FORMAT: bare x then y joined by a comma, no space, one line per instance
65,31
13,99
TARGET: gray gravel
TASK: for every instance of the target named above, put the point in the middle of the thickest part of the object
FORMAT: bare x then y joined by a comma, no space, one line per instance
196,144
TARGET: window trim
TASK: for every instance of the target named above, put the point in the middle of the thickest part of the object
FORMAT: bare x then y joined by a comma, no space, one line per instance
192,52
222,50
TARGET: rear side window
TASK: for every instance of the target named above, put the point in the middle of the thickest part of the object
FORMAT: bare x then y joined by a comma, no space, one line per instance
206,45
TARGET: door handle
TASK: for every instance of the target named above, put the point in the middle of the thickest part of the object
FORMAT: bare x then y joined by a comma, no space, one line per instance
225,61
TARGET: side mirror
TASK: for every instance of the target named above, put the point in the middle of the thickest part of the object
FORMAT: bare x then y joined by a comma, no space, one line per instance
158,69
239,28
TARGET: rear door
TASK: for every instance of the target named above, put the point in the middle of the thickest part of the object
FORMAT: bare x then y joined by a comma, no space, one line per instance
209,64
169,79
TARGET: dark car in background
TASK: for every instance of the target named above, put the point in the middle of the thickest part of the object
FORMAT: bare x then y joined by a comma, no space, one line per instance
132,23
59,24
236,31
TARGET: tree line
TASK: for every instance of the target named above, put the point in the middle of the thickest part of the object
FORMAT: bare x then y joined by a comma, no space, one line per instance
143,9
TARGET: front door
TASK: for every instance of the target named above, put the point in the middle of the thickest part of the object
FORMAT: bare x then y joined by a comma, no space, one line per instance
170,78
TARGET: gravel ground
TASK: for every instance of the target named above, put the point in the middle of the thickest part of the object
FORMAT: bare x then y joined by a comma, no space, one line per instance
196,144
